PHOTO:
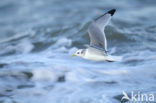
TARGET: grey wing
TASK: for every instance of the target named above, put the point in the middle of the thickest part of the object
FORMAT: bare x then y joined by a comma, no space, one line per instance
96,30
97,37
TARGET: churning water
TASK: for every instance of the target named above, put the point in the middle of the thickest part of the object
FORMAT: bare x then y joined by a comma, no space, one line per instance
38,37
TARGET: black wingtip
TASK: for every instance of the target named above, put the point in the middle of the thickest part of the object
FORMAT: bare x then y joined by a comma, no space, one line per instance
112,12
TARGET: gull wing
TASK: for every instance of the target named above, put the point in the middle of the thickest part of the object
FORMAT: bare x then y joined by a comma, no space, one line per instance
96,30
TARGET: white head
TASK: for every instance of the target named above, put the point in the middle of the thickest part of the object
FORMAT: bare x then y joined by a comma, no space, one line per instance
80,52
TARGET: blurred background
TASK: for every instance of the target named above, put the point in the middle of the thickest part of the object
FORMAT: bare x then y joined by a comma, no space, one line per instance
38,37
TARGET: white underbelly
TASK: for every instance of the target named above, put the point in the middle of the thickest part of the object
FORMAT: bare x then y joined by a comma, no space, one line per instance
99,56
96,58
103,58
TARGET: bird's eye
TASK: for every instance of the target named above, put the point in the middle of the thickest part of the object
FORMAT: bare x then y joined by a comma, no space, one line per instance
77,52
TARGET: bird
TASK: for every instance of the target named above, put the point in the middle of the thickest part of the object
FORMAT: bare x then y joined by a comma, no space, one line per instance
97,50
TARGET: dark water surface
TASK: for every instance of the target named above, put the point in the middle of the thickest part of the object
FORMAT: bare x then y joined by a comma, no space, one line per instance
38,37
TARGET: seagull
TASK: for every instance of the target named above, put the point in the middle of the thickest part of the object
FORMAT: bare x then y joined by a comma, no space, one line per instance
97,51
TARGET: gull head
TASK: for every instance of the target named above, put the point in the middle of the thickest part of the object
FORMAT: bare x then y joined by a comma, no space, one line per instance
80,53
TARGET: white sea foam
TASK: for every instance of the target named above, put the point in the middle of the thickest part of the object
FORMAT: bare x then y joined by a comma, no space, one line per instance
63,42
113,72
24,46
43,74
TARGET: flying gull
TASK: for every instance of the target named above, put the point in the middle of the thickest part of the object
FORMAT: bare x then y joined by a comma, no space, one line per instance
97,50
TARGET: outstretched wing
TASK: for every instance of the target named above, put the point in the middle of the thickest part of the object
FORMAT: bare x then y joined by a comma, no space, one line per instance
96,30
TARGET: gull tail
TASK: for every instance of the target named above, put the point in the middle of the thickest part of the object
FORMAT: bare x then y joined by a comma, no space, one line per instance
111,58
